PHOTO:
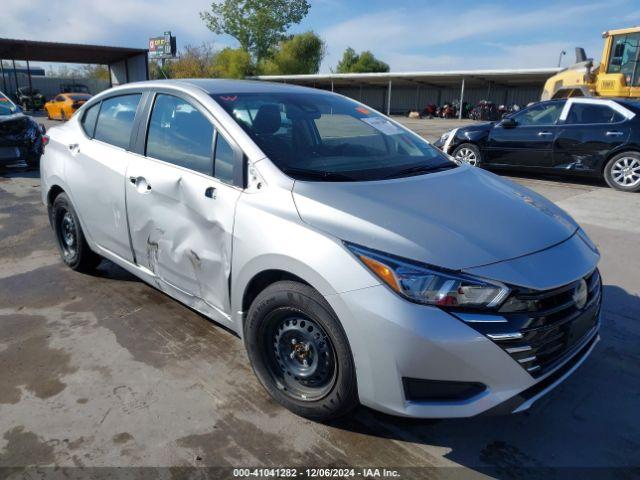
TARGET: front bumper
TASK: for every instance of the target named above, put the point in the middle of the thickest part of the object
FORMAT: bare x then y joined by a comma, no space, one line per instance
393,340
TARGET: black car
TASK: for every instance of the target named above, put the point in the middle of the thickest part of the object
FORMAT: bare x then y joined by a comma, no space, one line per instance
581,136
20,137
30,98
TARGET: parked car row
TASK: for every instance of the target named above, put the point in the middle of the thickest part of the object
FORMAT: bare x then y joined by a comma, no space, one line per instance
31,99
577,136
358,263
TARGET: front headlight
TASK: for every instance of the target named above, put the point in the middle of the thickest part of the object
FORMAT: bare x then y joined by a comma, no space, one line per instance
445,136
429,285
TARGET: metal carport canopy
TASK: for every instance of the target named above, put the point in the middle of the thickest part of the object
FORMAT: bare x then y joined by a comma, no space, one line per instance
126,64
438,79
435,78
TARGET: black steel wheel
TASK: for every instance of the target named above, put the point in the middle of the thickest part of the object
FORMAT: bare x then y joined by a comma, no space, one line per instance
74,250
299,351
299,355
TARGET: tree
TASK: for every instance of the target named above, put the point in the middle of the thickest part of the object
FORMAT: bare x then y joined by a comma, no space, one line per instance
98,72
257,24
365,62
193,62
232,63
302,53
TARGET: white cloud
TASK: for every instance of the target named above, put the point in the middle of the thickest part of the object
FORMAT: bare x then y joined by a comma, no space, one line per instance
113,22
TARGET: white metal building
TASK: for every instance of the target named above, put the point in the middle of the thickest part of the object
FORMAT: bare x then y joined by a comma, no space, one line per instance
399,92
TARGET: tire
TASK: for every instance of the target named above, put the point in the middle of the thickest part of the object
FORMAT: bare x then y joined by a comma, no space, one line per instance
622,172
294,316
468,153
74,250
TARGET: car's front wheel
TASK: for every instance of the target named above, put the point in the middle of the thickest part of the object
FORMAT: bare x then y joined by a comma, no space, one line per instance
622,172
299,351
468,153
74,250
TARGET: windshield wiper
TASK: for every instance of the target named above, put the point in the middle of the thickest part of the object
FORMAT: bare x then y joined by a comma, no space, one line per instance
418,169
297,173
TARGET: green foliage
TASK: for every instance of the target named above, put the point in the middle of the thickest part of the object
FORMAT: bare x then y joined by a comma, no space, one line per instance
365,62
193,62
298,54
257,24
232,63
99,72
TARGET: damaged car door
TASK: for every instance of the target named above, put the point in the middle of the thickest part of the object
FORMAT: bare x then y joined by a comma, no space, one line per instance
181,215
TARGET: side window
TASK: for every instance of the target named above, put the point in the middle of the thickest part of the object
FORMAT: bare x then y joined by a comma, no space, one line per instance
224,160
115,120
59,98
180,134
89,119
541,114
589,113
623,57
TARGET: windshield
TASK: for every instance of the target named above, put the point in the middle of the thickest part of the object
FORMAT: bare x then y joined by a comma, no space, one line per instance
326,137
6,106
79,96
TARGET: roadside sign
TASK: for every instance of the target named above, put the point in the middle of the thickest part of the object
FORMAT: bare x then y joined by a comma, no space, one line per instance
162,47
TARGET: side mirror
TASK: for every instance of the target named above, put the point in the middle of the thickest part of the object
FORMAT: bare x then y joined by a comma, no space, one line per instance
508,123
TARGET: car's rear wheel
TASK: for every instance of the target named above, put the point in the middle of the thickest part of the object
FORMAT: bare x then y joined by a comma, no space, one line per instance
74,250
622,172
468,153
300,352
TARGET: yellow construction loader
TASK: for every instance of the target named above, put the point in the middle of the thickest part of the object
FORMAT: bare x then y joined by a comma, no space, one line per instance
618,74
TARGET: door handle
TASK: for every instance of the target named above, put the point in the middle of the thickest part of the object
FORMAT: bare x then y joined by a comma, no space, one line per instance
544,134
614,133
210,192
140,183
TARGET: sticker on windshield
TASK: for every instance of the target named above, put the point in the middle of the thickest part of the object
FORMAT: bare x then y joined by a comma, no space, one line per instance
382,125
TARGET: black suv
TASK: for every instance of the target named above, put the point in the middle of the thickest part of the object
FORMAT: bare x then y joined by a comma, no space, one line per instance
582,136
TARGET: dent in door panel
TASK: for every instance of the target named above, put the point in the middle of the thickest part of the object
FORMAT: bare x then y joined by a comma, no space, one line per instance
192,253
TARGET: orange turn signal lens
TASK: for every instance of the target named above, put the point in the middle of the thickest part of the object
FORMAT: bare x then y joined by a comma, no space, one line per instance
382,271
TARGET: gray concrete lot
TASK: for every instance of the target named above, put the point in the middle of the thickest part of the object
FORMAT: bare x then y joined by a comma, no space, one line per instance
104,370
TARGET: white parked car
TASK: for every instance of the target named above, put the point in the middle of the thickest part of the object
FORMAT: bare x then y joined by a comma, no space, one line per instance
357,262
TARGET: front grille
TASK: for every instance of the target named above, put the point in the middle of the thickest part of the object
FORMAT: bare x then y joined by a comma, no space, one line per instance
545,328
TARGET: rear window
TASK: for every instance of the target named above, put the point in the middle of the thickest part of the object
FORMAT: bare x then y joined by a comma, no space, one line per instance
115,120
588,113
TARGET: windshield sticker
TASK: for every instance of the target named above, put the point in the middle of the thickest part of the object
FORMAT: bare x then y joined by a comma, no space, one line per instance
363,110
382,125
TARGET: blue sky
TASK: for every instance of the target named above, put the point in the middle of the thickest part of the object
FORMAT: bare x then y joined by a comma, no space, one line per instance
409,35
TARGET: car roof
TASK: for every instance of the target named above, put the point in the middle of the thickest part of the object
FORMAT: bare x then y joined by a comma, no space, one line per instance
219,85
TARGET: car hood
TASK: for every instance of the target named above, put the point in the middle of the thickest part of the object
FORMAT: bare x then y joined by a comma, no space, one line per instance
457,219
